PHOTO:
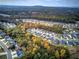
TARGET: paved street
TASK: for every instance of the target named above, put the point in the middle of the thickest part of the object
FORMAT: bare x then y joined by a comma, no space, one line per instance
9,55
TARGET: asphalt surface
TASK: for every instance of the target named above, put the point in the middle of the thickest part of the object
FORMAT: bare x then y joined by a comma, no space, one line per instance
9,55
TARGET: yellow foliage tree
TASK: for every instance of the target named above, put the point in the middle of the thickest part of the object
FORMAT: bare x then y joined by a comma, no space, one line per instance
57,54
62,52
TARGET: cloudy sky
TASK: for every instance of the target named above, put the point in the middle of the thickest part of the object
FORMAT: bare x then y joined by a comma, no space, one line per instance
65,3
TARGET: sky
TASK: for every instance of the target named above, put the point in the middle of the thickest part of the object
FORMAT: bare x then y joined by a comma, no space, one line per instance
57,3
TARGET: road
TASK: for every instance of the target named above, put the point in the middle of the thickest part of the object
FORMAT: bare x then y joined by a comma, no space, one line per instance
9,55
4,43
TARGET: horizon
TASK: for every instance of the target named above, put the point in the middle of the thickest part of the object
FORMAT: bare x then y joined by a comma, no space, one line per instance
49,3
39,6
